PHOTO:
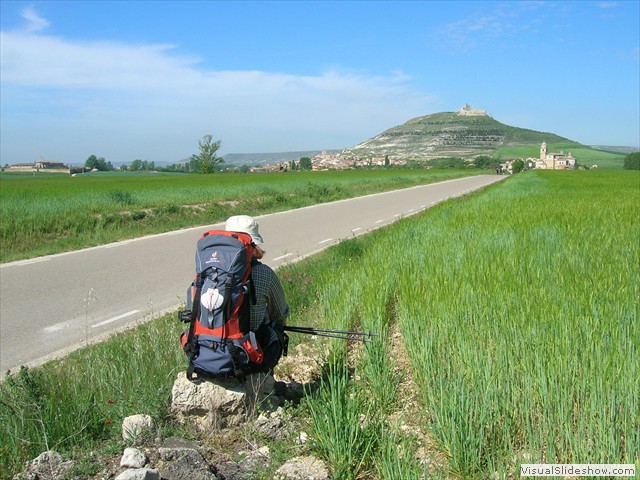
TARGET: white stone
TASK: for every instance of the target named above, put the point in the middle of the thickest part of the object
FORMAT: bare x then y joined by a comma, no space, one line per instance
139,474
219,403
137,426
302,468
133,458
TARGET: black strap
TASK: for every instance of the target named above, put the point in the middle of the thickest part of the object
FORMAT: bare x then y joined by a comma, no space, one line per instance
226,303
191,349
238,371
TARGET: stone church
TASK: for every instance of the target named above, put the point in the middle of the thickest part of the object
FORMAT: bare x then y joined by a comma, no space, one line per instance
553,161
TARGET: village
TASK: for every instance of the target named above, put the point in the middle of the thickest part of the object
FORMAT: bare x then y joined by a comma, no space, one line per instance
334,161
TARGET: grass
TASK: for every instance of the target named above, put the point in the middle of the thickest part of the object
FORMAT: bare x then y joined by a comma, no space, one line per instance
521,327
46,214
77,403
518,308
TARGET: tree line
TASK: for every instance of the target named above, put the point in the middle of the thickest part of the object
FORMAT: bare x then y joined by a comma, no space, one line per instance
207,161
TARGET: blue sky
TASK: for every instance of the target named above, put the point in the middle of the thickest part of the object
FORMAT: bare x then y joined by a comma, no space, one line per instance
146,80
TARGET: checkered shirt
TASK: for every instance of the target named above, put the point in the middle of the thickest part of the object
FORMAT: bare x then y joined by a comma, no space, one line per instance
271,305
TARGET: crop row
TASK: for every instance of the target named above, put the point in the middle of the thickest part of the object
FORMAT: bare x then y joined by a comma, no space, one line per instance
518,308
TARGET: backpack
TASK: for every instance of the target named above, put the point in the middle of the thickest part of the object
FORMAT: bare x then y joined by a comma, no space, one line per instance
219,342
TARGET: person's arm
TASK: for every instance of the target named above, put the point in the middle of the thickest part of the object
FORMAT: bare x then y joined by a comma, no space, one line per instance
278,307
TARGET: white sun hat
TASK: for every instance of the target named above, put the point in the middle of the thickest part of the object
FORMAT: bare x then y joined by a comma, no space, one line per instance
245,224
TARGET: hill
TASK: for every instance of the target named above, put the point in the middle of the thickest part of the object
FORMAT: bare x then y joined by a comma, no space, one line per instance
450,134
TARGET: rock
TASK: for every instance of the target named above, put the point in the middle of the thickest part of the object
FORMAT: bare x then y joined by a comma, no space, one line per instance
133,458
173,447
272,427
188,465
139,474
219,403
136,427
254,458
302,468
46,466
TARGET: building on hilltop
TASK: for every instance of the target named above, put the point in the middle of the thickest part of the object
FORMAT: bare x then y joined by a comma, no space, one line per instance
553,161
468,111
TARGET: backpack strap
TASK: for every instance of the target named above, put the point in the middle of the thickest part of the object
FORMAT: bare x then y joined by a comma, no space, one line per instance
191,348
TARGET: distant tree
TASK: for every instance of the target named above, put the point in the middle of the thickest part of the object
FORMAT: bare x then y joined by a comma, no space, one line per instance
387,164
483,161
206,160
517,166
305,164
98,163
447,162
136,165
632,161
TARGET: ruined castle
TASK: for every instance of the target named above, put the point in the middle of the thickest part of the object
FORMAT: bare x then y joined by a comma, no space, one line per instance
468,111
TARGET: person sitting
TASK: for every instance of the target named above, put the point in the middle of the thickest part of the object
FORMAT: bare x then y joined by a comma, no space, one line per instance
268,315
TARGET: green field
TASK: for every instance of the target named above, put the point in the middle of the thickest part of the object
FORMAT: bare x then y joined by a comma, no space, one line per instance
45,214
519,312
508,323
584,156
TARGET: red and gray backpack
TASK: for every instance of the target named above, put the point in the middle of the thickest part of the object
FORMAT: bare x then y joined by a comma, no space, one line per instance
219,342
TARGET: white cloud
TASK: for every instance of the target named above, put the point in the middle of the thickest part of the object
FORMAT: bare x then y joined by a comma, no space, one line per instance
135,91
35,22
505,19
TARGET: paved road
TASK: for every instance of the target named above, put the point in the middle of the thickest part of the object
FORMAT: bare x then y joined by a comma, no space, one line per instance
54,304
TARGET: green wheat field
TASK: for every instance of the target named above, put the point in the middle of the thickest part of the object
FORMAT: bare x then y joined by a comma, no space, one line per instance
508,334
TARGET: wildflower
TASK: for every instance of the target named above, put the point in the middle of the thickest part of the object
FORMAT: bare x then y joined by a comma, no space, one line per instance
109,402
107,422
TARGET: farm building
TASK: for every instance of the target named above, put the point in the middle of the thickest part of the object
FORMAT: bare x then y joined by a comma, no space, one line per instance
38,166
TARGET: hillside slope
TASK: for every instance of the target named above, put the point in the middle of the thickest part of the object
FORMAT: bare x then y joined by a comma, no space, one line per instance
448,134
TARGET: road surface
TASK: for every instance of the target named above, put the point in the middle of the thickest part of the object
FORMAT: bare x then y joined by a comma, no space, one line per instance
54,304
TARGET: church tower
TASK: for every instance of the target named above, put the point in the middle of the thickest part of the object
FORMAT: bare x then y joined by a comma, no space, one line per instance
543,151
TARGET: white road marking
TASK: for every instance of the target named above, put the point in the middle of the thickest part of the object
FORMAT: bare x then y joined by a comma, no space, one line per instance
119,244
115,319
25,262
325,241
56,327
282,256
353,230
379,221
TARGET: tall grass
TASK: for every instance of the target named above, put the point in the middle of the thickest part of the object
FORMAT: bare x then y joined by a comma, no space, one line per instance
74,404
49,214
522,326
519,310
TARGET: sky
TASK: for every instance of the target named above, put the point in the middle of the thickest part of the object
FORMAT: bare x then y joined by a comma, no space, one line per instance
128,80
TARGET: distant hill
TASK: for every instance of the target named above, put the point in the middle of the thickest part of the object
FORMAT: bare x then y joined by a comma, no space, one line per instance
449,134
252,159
609,148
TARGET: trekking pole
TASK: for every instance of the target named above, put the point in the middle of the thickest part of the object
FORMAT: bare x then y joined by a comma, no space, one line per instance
341,334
